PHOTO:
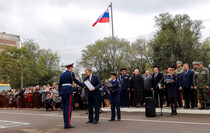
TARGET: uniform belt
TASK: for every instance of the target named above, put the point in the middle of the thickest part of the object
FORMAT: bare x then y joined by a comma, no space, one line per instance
66,84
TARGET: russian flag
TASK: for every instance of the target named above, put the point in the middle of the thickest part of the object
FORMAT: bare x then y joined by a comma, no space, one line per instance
104,18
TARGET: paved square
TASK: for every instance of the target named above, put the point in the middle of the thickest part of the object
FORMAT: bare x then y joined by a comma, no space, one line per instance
41,121
9,124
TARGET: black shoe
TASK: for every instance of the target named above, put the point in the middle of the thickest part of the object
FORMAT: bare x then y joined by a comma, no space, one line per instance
70,126
89,122
207,106
175,113
112,120
186,107
119,119
95,122
202,106
192,107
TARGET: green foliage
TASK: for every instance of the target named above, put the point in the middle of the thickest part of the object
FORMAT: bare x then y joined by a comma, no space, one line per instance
99,56
40,66
177,38
204,52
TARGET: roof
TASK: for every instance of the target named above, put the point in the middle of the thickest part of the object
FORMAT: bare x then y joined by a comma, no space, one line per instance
11,37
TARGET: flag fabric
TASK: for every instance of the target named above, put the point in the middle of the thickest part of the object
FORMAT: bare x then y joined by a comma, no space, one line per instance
104,18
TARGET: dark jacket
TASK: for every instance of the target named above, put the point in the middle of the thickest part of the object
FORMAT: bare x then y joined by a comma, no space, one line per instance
95,81
148,82
171,87
137,83
115,87
66,78
124,81
186,80
156,80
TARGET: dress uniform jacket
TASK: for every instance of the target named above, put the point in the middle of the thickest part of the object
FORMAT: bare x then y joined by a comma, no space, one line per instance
124,85
66,91
66,78
115,99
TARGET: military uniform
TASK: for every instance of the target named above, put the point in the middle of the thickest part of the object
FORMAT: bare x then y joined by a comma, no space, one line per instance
124,85
66,91
179,70
115,99
201,80
194,91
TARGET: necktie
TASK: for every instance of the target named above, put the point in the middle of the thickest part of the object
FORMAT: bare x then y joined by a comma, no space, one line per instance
88,78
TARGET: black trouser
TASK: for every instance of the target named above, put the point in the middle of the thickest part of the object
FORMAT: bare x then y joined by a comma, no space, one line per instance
159,92
132,98
94,100
173,104
195,96
124,98
179,97
148,93
188,97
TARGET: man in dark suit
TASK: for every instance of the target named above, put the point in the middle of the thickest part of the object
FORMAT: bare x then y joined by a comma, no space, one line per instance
94,96
186,84
66,91
157,78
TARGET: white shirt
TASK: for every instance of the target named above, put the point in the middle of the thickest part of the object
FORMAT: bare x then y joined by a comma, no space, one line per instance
90,77
114,80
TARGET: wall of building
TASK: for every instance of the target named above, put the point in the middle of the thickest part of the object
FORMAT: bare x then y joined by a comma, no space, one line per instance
9,39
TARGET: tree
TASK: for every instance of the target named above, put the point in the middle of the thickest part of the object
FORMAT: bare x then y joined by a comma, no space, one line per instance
204,52
10,66
177,38
99,56
40,66
138,55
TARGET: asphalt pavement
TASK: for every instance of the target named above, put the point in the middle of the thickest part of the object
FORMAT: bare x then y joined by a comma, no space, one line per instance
41,121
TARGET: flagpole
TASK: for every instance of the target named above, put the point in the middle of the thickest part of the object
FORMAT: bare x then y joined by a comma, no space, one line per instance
113,37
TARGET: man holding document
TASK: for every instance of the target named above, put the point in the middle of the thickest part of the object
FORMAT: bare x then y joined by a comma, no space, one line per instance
93,84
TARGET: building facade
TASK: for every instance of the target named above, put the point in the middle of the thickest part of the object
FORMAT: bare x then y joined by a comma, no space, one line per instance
9,40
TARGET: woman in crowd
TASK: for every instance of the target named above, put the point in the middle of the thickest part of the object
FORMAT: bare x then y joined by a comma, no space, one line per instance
76,96
30,94
137,84
170,83
106,97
